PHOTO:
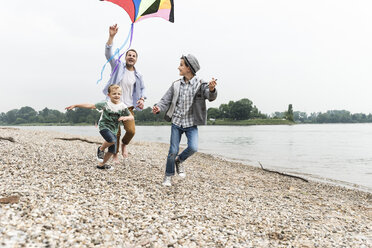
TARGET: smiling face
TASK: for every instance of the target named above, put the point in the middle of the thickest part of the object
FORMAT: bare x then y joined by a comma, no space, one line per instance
115,95
130,58
184,70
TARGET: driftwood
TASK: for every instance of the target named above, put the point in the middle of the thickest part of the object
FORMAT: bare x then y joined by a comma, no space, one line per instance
283,174
7,138
84,140
9,199
9,128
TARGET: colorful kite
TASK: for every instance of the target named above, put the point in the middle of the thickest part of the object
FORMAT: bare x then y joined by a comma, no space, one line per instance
139,10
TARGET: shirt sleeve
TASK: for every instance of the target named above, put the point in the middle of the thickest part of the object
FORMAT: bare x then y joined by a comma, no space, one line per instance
100,105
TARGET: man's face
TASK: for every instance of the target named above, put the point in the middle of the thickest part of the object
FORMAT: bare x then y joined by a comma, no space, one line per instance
183,68
115,95
131,58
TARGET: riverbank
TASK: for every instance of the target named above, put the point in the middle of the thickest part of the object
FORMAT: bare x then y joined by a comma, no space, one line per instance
218,122
65,201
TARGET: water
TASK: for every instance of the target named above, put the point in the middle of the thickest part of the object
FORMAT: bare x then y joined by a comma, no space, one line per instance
339,153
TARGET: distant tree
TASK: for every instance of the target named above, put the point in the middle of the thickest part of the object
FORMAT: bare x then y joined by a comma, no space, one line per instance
146,115
51,116
278,115
369,118
334,116
313,117
225,110
11,116
213,113
255,113
359,117
2,118
289,113
27,114
300,116
20,120
241,109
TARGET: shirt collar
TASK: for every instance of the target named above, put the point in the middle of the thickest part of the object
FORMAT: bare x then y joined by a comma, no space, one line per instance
192,81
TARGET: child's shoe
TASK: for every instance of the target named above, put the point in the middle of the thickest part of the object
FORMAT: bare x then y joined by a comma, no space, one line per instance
167,181
105,167
100,155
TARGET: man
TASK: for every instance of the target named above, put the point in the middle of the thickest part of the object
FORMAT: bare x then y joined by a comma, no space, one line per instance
185,107
133,88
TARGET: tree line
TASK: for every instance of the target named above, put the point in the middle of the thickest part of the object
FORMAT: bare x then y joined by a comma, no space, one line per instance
233,111
49,116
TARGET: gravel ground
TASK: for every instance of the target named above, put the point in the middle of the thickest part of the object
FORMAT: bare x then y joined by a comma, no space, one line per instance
62,200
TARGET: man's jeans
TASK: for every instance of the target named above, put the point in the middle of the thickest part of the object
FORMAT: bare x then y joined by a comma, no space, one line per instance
192,146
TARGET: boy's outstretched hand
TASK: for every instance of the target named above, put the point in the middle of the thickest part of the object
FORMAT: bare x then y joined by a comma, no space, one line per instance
70,107
212,84
155,109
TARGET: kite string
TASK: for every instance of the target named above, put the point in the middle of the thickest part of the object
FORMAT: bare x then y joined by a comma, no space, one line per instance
117,51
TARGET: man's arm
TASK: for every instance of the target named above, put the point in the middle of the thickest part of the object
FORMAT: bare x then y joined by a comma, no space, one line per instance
108,50
141,101
113,30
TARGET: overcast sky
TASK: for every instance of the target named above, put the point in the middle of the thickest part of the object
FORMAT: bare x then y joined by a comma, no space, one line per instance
314,54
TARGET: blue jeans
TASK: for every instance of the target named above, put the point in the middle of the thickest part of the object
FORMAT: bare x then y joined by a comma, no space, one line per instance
175,139
109,137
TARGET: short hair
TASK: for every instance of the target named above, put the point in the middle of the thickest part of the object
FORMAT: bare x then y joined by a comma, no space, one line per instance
131,50
113,87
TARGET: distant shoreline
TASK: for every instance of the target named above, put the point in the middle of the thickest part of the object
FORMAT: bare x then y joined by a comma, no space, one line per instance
140,123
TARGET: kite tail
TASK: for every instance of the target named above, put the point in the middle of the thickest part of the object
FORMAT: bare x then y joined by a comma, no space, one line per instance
117,51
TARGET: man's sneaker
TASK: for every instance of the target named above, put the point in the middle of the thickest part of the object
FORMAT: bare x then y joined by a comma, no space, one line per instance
100,155
167,181
179,168
105,167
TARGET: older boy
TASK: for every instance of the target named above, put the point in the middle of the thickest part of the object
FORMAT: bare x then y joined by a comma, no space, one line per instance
113,111
185,107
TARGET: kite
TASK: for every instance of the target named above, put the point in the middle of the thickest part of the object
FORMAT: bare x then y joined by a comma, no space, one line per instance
139,10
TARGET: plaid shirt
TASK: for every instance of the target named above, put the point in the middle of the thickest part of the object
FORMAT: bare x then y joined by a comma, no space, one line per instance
182,115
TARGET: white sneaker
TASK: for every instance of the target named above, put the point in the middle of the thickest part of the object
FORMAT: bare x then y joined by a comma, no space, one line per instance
167,181
179,168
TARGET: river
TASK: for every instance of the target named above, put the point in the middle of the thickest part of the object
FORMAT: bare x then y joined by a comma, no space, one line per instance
336,153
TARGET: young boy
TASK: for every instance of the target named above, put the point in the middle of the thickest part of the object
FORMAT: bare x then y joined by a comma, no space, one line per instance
113,111
184,103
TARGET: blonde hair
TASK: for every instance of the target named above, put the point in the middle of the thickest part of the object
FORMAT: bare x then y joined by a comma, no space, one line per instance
113,87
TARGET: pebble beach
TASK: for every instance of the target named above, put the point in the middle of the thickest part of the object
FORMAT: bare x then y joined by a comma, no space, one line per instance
52,195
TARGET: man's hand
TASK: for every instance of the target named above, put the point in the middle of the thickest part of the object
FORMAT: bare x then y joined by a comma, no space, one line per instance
212,84
140,103
113,30
155,109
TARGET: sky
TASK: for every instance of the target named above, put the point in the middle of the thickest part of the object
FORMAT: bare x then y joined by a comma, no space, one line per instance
315,55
